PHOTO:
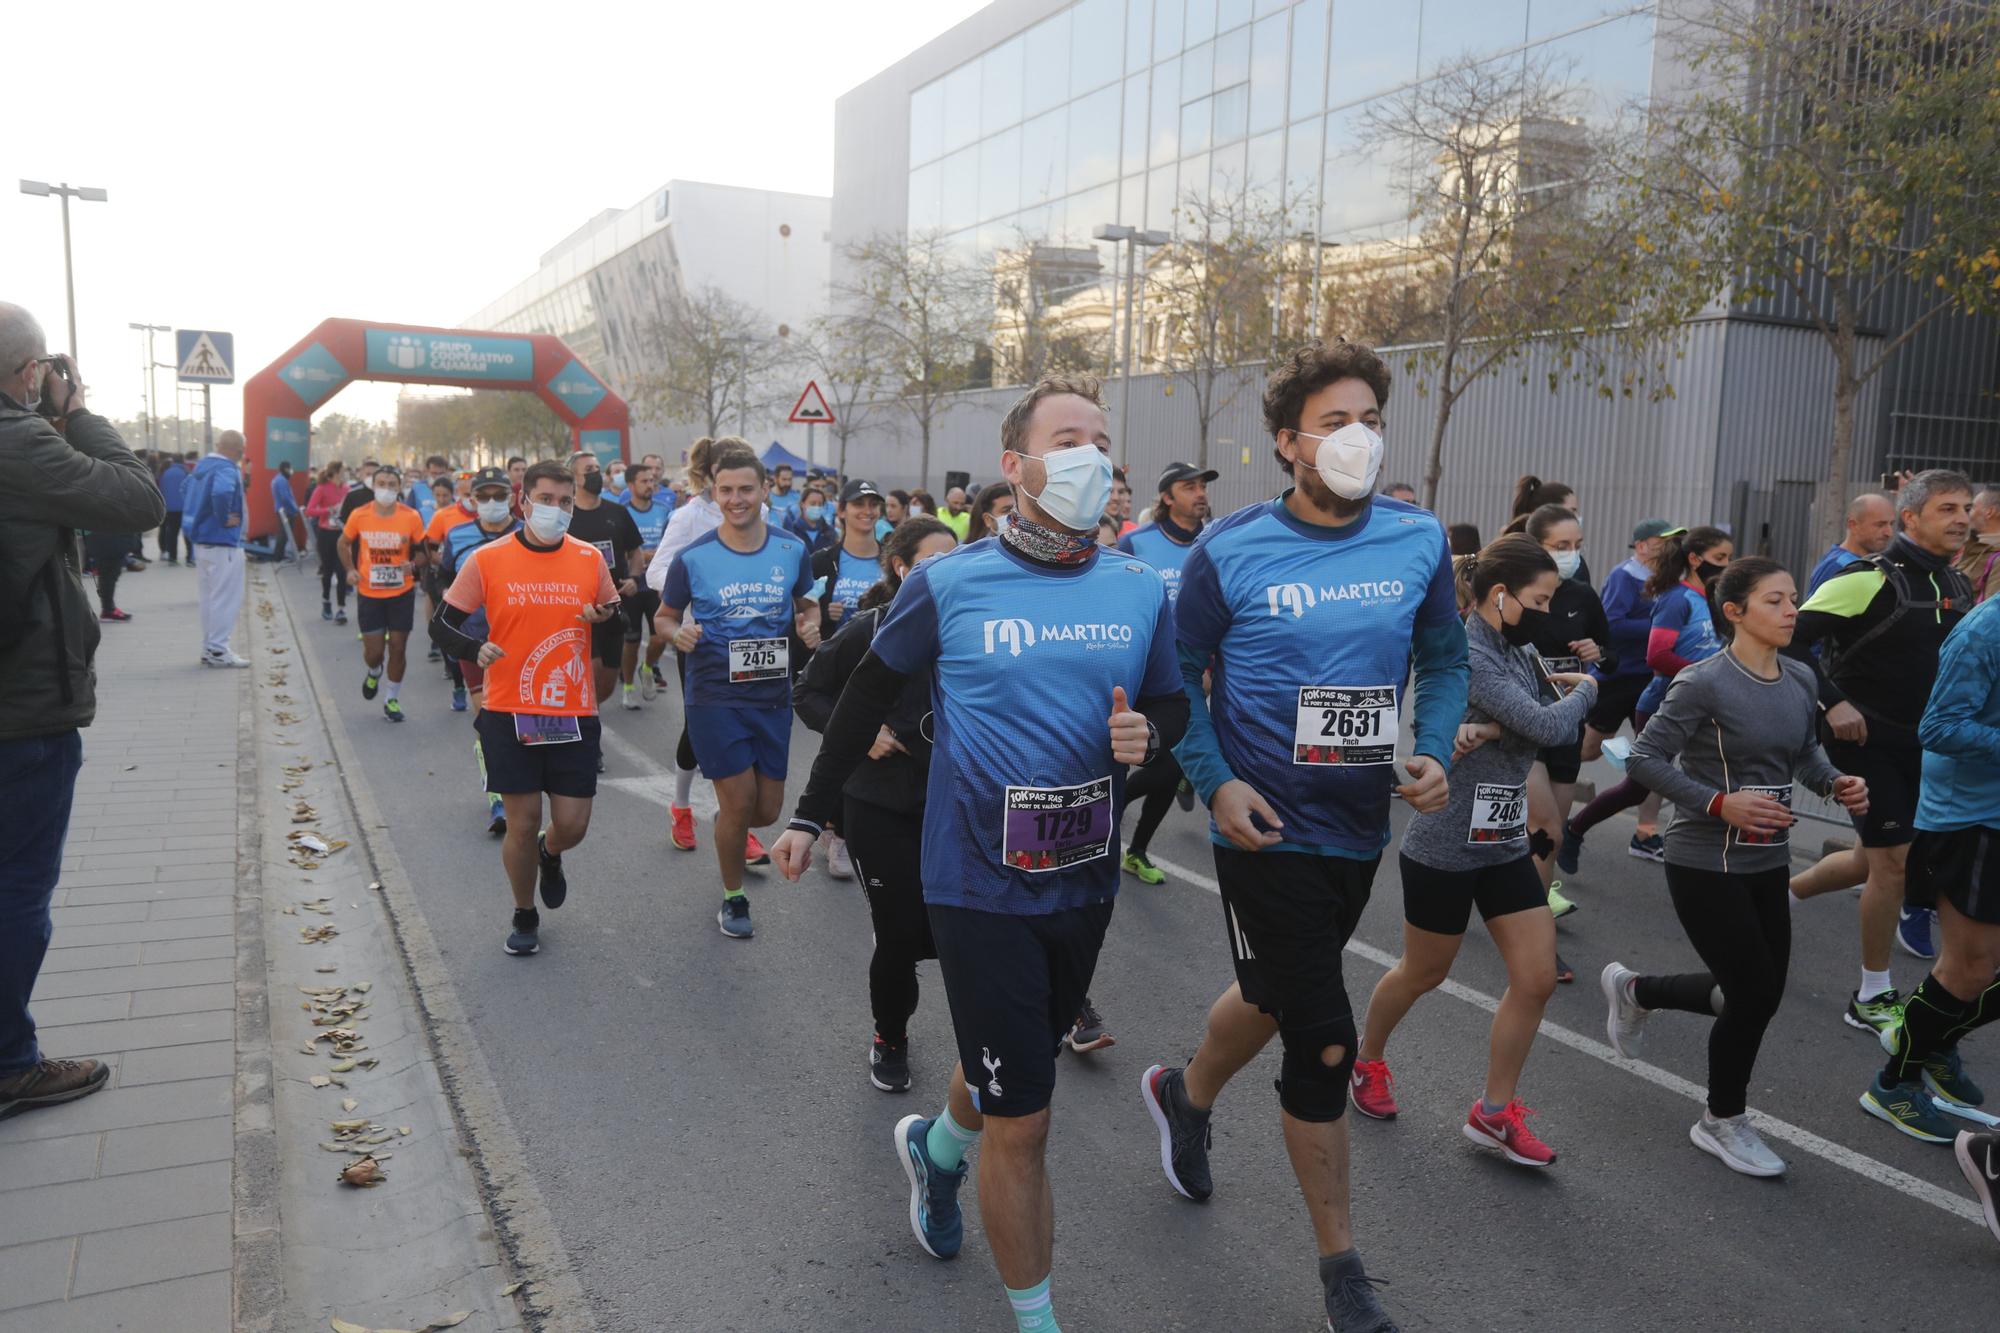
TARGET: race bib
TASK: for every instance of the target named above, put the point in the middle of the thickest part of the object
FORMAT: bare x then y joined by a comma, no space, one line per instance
536,729
1783,796
759,659
609,552
385,576
1052,828
1345,724
1499,813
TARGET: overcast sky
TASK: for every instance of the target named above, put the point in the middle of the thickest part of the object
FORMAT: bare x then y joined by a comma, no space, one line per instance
273,164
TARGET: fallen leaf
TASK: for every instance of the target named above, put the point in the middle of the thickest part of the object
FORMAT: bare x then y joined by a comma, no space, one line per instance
291,911
342,1326
348,1126
362,987
361,1173
342,1067
375,884
321,1081
511,1288
326,967
404,1130
449,1321
130,767
312,844
348,1104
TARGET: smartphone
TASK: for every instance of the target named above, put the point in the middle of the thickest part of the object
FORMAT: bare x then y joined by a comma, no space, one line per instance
1542,674
1891,482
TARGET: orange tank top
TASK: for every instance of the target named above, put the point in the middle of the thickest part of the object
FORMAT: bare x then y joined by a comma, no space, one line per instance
532,601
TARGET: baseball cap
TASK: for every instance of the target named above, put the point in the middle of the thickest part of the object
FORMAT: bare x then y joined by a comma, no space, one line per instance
858,490
1178,472
1655,527
491,476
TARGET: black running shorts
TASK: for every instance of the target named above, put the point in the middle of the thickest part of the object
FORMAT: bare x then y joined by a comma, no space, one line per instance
377,615
514,769
1441,901
1894,774
1289,915
638,612
1962,867
607,642
1617,700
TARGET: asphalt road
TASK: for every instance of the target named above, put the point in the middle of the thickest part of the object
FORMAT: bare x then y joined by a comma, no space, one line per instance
700,1120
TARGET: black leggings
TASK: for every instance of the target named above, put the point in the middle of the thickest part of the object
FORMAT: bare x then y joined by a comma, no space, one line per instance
330,568
684,752
170,536
1741,925
107,552
1154,786
887,848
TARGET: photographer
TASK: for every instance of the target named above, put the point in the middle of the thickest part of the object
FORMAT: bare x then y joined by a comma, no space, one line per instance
49,487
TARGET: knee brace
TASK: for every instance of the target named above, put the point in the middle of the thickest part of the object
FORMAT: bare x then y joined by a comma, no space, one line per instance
1540,844
1309,1088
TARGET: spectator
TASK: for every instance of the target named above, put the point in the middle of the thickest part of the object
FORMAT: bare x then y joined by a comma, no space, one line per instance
1107,531
896,507
1120,507
173,482
214,512
956,516
49,486
1982,549
1871,526
1401,490
1464,539
1531,493
285,504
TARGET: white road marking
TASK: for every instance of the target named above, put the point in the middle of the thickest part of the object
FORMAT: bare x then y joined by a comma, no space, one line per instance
1825,1149
657,782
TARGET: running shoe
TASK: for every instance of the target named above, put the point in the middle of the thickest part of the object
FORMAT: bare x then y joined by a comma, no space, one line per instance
340,616
839,863
628,696
1184,1132
1558,903
1917,932
1353,1307
1884,1011
1507,1129
1908,1107
434,655
526,937
1372,1089
325,608
889,1064
755,855
224,659
393,710
1184,795
555,884
114,615
1565,974
1143,870
1978,1154
649,683
934,1215
1652,848
682,834
1569,854
458,698
1624,1020
1737,1143
1088,1032
734,918
370,685
1945,1076
496,816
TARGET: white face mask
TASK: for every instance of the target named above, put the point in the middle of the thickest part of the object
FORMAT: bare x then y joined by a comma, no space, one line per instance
1079,482
548,523
466,503
493,511
618,480
1567,562
385,495
1348,460
916,510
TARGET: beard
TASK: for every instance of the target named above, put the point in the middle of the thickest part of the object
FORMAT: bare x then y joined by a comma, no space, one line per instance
1308,480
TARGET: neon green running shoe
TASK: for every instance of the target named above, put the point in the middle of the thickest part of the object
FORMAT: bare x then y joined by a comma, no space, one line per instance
1558,904
1137,866
1883,1012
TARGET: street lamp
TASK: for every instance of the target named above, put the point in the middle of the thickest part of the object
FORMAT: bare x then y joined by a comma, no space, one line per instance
152,363
65,191
1133,238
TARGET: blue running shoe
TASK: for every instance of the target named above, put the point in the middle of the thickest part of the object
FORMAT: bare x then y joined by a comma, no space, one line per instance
734,918
496,822
1908,1107
1569,855
1917,932
458,698
1944,1074
934,1215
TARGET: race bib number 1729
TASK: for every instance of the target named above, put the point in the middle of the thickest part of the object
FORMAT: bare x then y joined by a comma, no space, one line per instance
1345,724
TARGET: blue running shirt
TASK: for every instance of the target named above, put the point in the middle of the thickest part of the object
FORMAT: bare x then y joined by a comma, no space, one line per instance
652,522
1684,611
1160,551
1024,794
460,542
743,602
853,576
1307,631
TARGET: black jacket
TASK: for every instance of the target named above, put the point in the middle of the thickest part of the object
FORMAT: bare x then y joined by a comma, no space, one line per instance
895,781
1575,613
49,487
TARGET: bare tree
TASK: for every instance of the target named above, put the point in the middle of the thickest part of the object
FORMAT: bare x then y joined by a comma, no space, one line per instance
714,356
926,312
1051,310
844,359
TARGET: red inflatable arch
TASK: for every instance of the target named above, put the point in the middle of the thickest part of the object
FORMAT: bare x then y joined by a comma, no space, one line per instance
278,402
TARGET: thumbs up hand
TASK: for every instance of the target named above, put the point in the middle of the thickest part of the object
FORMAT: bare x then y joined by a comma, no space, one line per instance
1130,734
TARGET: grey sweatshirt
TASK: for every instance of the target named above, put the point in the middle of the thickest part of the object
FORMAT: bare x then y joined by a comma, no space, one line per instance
1486,823
1731,730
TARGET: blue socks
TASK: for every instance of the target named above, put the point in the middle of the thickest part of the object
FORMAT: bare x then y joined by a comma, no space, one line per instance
1032,1311
946,1144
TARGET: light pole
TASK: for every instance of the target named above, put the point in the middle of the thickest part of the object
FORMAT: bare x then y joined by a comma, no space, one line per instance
1133,238
152,363
65,191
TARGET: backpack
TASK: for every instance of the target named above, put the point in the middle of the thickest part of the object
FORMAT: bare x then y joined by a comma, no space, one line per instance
1959,596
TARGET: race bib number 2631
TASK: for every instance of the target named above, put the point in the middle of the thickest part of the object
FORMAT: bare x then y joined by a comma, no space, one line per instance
1345,724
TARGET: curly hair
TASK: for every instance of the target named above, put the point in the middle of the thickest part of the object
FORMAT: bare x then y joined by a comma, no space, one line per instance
1312,368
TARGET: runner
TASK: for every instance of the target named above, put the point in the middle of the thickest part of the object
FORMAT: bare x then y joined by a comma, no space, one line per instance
1743,725
1871,526
1531,493
989,511
650,511
541,592
1477,851
1311,610
810,521
730,602
381,545
607,526
492,497
1628,617
846,571
1955,857
1020,839
323,508
1683,633
1179,515
883,802
784,500
1877,626
451,511
360,491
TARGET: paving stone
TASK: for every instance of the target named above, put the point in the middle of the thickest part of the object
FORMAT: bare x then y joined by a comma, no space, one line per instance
185,1305
168,1063
82,1009
144,1034
179,1143
82,1206
182,1000
156,1252
47,1162
182,951
31,1274
151,976
141,932
122,1108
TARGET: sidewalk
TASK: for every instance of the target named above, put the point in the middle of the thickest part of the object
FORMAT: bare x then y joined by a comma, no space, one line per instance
116,1211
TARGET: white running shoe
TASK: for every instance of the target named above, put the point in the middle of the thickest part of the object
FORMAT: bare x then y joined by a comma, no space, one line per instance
629,697
224,658
1740,1147
648,687
1624,1020
838,863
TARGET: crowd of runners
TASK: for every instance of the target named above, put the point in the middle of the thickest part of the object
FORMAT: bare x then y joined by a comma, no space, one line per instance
995,679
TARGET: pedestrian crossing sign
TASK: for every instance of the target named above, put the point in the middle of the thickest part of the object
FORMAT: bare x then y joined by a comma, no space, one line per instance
205,356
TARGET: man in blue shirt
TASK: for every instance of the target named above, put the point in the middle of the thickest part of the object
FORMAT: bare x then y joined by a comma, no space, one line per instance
493,518
1038,640
173,487
1871,526
784,500
650,508
212,512
730,602
285,503
1307,613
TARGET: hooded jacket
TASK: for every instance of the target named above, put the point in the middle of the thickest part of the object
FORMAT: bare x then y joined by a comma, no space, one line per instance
214,495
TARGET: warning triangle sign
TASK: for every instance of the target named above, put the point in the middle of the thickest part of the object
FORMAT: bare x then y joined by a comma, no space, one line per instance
204,362
811,407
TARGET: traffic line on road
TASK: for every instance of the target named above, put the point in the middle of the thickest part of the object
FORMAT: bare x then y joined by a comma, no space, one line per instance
1804,1139
656,782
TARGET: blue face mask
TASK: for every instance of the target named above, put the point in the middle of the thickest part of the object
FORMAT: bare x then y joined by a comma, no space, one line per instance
883,527
1079,482
815,513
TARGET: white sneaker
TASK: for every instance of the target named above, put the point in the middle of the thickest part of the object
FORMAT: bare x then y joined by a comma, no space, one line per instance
629,697
838,863
224,659
1740,1147
648,687
1624,1020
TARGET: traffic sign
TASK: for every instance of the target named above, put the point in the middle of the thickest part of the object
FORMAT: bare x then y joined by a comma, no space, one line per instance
205,356
811,409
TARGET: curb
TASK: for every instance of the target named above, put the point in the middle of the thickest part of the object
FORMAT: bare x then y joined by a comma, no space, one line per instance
551,1298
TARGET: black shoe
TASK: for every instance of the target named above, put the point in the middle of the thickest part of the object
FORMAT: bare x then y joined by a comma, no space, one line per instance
1351,1304
325,608
1978,1154
370,685
435,655
889,1065
555,884
1184,795
1184,1135
526,936
340,616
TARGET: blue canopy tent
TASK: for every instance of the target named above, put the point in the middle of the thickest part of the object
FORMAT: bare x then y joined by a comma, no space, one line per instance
778,453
